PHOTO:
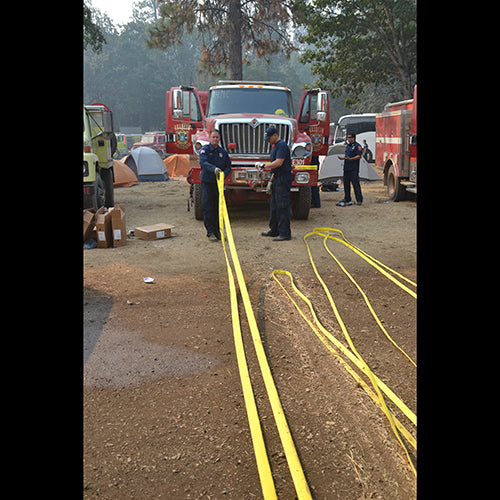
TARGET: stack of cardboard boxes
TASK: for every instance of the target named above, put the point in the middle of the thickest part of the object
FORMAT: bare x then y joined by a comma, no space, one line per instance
107,227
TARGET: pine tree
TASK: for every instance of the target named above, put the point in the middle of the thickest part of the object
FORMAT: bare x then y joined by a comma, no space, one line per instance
232,30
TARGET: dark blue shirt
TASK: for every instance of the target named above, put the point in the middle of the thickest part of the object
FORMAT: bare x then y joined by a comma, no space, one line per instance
281,150
210,158
352,150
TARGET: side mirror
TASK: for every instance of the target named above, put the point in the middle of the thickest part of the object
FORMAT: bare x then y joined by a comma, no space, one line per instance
322,104
177,104
107,121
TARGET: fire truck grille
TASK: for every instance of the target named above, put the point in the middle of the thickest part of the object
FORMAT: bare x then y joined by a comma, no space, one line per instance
250,140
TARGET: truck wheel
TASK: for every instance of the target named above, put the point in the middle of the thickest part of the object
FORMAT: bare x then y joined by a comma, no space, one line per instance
198,212
395,189
100,192
301,203
107,179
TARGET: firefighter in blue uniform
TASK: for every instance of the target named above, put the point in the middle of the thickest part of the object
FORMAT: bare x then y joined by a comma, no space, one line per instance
213,159
281,168
352,155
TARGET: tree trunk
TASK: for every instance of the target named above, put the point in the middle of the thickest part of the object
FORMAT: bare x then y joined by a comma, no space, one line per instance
235,56
406,83
398,55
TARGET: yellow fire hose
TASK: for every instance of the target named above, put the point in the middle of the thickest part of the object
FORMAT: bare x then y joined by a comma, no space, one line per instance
358,361
354,356
296,471
324,231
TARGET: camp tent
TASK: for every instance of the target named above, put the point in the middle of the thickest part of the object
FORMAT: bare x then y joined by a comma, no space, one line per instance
332,169
177,165
147,165
123,175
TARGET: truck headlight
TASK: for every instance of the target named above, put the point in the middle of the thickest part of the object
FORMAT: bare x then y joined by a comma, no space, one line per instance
299,152
85,168
302,177
199,146
302,150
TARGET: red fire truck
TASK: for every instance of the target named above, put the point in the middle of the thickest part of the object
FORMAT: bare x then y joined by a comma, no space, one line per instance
396,147
242,111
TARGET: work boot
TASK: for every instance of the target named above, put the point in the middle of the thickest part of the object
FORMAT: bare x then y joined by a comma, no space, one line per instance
268,233
212,237
282,238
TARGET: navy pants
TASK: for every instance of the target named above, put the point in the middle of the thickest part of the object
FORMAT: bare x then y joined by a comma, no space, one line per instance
352,177
279,220
315,199
210,207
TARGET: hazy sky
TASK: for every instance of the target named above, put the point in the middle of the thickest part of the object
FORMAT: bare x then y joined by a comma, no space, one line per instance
120,11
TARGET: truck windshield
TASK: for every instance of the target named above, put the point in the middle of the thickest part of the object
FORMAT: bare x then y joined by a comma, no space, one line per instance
250,100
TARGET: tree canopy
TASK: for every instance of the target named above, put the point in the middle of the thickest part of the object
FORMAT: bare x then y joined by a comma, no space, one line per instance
92,33
132,79
354,43
350,54
231,30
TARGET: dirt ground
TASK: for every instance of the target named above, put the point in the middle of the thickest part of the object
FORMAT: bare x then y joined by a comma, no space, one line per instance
164,415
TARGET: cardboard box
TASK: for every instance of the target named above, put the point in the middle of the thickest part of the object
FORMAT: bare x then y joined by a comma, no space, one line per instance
154,232
118,225
88,224
103,228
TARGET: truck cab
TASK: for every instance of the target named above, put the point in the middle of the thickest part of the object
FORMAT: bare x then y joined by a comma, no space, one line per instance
242,111
99,144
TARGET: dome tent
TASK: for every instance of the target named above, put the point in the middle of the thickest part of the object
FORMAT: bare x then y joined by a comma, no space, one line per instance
332,169
123,175
147,165
177,165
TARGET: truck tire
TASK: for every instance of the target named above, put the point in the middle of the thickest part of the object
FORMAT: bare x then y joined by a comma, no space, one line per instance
395,189
107,179
99,192
198,212
301,203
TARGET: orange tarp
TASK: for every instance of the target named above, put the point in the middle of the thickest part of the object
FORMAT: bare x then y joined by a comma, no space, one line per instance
123,175
177,165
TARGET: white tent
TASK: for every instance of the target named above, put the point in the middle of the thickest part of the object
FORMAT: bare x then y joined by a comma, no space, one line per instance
147,165
332,169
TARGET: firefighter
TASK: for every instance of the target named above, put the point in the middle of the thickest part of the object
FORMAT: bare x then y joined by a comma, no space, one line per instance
351,158
281,168
213,159
365,150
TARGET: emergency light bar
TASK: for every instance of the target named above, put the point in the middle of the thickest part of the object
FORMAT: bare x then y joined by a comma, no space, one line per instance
248,82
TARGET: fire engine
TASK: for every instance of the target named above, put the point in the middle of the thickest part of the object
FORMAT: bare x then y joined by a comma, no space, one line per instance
396,147
242,111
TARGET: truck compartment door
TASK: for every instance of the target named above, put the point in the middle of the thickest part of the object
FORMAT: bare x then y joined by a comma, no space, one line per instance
183,115
314,119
